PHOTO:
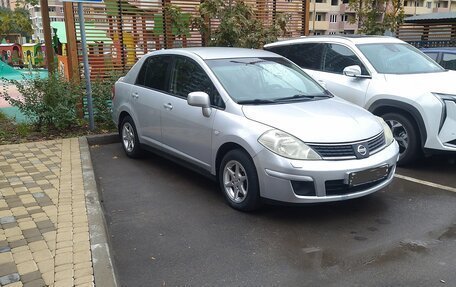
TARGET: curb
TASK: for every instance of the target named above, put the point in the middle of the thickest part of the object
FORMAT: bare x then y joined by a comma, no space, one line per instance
103,139
102,265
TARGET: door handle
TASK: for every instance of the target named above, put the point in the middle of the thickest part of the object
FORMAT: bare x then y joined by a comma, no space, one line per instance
135,95
168,106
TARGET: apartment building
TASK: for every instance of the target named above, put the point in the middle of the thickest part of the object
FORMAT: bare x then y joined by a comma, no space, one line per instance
55,15
333,16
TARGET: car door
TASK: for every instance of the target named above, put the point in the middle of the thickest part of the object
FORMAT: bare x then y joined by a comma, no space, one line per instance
186,131
148,95
335,59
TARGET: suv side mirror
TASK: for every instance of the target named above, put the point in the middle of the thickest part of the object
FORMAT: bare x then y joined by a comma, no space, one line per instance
352,71
202,100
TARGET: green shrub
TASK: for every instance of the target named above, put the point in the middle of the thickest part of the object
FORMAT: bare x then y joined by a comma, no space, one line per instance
49,103
101,99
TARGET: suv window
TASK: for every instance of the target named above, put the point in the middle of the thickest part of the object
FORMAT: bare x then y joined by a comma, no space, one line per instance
449,61
306,56
337,58
153,73
187,76
432,55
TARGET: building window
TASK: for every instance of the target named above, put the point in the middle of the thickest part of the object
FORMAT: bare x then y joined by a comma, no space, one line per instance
320,17
333,18
428,5
332,33
344,17
334,2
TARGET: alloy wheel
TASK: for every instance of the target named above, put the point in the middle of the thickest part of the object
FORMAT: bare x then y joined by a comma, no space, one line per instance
235,181
128,137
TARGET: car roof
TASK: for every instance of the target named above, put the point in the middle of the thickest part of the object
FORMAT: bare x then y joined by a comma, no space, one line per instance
441,49
348,39
210,53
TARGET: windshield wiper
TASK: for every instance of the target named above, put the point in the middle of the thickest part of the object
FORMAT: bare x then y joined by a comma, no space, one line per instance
256,102
302,96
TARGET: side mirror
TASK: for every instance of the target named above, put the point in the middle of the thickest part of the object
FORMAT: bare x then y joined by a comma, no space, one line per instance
202,100
352,71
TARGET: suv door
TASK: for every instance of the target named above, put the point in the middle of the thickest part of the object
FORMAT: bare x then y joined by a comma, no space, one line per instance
148,92
335,59
325,62
185,130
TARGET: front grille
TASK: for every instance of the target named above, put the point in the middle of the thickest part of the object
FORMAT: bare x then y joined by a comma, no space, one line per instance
338,187
345,151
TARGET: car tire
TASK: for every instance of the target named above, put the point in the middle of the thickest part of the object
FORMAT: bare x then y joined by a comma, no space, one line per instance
406,134
238,181
129,138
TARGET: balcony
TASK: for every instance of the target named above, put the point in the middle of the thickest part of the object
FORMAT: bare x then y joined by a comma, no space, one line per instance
411,10
319,25
320,7
441,9
348,26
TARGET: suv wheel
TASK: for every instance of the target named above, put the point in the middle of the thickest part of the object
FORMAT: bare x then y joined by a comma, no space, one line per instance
129,138
406,135
239,181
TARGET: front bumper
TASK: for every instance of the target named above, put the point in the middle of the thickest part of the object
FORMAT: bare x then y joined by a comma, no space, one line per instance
280,178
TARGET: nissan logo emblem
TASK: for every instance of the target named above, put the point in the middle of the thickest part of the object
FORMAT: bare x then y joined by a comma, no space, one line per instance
362,150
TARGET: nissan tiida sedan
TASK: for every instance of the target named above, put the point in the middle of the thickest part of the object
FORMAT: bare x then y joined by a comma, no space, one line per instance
254,121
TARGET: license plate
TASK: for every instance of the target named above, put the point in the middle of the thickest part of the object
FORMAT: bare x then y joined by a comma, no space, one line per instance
367,176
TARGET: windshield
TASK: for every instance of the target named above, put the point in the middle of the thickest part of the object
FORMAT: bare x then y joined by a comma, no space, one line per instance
265,80
391,58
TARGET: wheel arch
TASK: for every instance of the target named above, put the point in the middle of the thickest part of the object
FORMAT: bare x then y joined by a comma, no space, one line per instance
223,150
122,116
384,106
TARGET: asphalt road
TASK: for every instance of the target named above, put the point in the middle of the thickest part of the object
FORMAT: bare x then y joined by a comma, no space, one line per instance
171,227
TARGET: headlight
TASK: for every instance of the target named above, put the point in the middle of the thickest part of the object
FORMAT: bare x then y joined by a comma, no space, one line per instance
445,97
389,138
287,145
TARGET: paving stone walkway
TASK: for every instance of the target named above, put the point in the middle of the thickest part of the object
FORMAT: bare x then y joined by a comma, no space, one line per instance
44,236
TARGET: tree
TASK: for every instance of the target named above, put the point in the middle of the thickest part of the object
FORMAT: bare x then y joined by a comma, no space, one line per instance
375,17
238,26
15,22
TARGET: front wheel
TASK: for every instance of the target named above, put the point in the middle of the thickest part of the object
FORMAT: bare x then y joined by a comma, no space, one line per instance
129,138
406,135
238,181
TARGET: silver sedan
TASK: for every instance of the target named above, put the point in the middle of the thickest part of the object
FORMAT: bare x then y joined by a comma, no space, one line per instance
255,122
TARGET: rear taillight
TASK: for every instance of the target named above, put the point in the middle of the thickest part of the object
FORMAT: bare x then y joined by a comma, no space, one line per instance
113,92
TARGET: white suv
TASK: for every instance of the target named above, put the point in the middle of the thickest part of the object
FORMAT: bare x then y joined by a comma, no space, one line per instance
390,78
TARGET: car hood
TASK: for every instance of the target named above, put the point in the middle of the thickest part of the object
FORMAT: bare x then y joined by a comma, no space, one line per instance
323,121
442,82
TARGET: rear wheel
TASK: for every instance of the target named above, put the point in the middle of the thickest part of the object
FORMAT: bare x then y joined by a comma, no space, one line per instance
407,136
129,138
239,181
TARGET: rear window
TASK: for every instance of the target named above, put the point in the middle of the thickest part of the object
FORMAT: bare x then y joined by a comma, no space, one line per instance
308,56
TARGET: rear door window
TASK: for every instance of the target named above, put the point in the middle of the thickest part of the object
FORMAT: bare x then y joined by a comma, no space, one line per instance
307,56
154,73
